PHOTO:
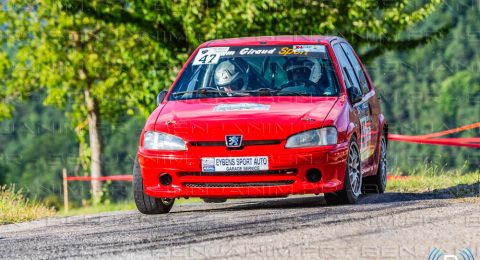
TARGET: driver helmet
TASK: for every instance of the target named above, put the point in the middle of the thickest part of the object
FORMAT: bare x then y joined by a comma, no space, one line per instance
231,75
300,68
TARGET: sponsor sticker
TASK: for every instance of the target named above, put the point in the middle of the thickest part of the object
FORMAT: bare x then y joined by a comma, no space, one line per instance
255,51
241,107
289,51
310,48
208,164
207,56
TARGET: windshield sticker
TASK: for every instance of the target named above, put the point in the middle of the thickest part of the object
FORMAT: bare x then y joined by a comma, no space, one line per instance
211,55
241,107
251,51
310,48
287,51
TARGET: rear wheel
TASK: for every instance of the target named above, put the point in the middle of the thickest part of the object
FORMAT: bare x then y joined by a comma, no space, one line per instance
352,184
147,204
378,182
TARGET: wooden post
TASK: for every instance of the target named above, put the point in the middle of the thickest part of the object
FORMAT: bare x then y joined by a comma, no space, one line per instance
65,191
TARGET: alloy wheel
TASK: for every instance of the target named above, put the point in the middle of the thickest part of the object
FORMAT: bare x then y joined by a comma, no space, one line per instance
383,162
354,170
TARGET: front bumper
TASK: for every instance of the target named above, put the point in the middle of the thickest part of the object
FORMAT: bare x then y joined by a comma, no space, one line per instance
286,174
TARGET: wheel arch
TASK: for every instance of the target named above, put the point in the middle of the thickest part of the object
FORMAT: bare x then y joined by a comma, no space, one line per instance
352,130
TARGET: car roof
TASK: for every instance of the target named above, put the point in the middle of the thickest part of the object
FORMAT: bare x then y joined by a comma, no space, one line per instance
270,40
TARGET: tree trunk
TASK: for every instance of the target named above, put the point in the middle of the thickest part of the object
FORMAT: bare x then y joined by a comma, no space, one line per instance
94,131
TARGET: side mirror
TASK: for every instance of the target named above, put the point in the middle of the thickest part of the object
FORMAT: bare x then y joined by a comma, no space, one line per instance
161,96
355,95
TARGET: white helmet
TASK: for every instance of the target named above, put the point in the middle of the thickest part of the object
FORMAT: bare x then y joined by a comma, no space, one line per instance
309,67
232,74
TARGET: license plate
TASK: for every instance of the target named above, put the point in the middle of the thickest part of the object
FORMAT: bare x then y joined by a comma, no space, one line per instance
235,164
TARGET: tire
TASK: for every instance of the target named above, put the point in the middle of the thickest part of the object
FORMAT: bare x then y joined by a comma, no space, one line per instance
378,182
146,204
352,184
214,200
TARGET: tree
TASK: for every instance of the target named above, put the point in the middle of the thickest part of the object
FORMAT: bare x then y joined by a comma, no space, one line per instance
94,70
371,26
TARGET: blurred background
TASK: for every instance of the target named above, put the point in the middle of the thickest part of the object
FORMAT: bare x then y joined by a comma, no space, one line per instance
57,56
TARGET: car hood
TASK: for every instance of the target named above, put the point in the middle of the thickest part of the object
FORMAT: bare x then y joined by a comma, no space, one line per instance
256,118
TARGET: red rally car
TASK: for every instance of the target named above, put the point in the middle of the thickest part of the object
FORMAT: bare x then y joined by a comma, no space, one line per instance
264,117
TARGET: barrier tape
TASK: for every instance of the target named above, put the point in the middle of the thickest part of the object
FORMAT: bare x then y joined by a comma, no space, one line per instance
451,131
103,178
436,141
431,139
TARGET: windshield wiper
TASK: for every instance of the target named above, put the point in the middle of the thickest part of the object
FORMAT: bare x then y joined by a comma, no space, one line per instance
201,91
274,92
260,91
292,93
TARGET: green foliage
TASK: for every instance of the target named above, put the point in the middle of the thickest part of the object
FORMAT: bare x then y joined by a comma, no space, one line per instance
64,54
433,88
38,142
182,25
105,195
53,201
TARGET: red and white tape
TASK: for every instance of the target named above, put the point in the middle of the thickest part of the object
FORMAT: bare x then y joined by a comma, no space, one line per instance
103,178
432,139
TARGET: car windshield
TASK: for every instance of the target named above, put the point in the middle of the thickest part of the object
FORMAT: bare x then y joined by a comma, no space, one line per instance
286,70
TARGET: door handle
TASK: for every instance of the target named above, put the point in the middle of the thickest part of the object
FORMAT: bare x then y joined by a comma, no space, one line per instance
370,109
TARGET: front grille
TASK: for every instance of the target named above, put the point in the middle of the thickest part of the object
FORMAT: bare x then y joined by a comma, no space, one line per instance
259,173
235,184
245,143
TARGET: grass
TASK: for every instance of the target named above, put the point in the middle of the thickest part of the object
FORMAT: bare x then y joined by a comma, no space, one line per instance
435,179
14,207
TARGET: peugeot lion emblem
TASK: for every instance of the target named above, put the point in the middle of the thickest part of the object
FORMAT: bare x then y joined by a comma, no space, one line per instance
233,140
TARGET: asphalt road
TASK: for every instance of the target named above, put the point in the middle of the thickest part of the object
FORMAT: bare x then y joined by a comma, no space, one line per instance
393,225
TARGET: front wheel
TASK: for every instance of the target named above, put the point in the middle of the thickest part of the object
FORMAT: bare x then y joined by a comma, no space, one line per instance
146,204
352,184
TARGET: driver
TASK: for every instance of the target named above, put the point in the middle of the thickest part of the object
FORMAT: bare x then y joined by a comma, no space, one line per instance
301,70
232,75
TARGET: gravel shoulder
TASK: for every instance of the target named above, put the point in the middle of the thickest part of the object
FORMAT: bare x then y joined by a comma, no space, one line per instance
392,225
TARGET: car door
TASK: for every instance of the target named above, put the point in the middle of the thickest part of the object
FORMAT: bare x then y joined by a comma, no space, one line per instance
371,122
360,109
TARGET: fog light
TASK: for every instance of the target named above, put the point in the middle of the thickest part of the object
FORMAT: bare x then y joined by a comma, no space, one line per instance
314,175
165,179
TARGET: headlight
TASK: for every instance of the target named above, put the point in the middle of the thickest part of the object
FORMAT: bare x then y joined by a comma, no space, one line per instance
317,137
162,141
